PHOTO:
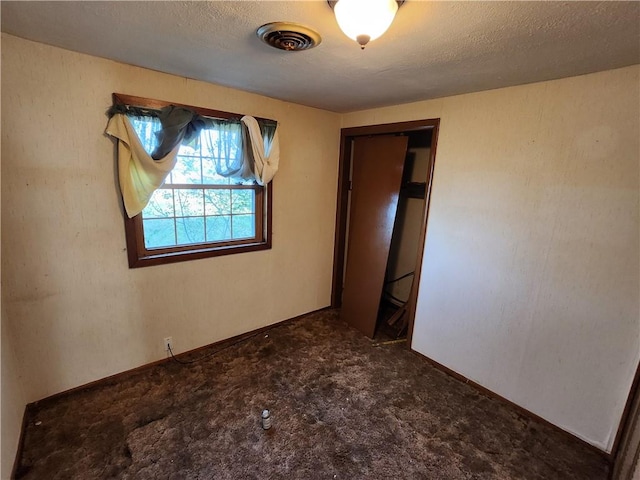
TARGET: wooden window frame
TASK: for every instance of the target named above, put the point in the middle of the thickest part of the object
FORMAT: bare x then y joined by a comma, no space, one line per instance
139,256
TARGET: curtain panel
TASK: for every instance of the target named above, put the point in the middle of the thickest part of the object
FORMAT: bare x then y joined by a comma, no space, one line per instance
262,149
139,174
244,150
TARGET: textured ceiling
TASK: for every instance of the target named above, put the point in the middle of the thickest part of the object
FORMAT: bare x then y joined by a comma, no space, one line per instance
433,49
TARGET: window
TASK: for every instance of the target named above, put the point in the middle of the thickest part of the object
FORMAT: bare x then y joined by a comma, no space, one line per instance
197,212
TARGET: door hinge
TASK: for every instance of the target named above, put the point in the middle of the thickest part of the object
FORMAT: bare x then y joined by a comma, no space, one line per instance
350,185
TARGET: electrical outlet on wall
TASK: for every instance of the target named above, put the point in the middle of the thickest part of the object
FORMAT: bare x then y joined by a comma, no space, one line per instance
168,343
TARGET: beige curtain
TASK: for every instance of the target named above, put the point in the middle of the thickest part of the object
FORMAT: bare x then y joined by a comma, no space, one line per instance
264,153
139,174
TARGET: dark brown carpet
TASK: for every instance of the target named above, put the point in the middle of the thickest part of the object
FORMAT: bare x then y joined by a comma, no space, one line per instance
341,408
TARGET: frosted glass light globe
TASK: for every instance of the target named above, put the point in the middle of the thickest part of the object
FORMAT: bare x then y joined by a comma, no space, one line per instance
365,20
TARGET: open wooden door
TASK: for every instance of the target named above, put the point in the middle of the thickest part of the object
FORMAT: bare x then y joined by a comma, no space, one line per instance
377,173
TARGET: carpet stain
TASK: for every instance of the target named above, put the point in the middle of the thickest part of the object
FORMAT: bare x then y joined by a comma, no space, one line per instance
341,409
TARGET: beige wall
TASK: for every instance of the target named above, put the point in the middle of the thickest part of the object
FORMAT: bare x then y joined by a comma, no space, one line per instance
77,311
530,276
13,402
12,398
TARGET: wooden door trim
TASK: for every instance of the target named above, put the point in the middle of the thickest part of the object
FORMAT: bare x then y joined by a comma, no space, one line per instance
413,295
346,135
388,128
341,219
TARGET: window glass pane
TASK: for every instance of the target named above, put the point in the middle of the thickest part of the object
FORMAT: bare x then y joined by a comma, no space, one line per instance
217,202
223,140
209,173
189,202
160,205
244,226
189,150
159,233
242,201
240,181
209,138
145,128
190,230
218,228
187,170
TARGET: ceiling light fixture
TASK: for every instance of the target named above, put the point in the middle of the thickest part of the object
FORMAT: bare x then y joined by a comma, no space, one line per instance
364,20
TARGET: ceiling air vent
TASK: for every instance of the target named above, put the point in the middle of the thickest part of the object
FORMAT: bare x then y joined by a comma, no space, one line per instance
288,36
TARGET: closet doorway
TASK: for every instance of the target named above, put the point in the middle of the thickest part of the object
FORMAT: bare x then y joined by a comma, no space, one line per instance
385,176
